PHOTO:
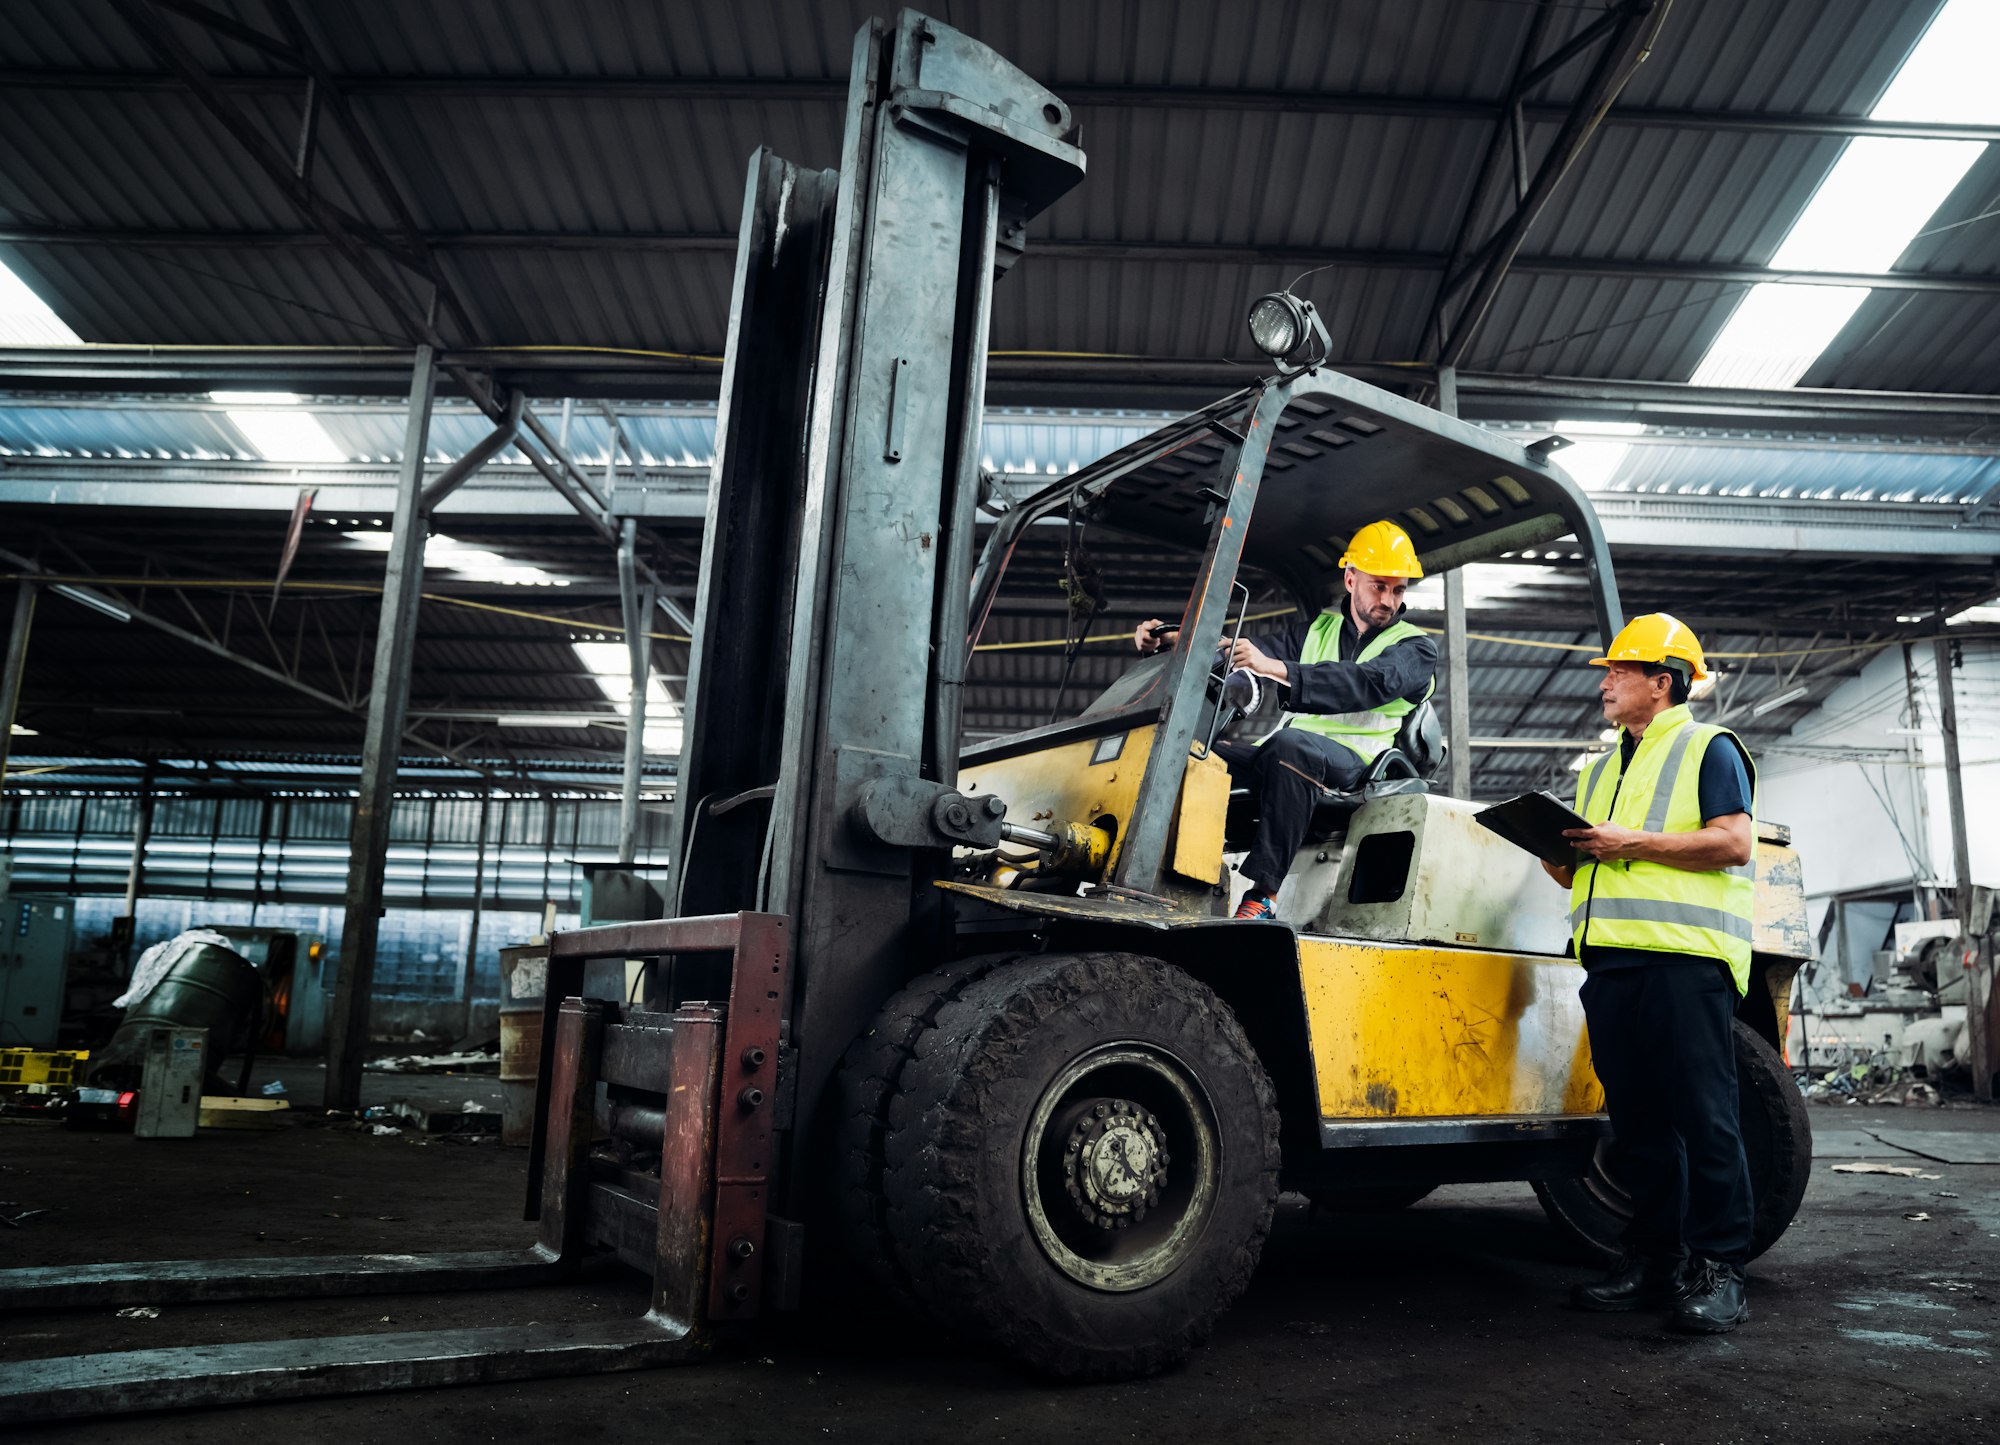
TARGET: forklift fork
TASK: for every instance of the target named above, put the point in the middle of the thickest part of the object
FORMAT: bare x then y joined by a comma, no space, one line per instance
696,1082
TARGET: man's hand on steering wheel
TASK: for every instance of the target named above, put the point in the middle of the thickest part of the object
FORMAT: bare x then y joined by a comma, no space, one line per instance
1153,635
1246,655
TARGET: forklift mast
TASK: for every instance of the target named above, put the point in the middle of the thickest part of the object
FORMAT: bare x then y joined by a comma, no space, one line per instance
829,655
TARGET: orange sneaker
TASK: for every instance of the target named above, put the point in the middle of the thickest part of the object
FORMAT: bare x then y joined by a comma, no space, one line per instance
1257,905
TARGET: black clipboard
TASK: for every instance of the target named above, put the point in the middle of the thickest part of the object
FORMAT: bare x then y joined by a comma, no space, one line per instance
1534,823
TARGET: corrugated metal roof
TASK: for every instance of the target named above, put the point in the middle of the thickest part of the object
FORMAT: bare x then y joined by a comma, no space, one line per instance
585,164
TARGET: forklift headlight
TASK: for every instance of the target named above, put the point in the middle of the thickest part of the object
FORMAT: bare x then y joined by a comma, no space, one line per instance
1278,324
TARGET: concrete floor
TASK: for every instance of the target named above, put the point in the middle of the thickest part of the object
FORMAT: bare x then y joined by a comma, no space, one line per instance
1444,1322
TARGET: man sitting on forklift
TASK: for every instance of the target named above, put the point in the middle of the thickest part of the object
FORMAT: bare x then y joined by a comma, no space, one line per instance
1350,677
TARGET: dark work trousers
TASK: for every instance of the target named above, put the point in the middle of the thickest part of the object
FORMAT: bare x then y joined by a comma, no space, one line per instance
1661,1039
1285,776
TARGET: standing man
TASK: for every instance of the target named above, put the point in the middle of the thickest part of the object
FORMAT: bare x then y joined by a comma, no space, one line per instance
1661,915
1351,676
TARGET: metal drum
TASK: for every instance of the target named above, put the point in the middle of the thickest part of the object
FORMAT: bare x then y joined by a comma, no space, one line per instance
208,987
520,1065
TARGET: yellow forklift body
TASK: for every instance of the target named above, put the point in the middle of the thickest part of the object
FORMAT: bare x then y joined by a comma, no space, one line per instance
1419,1031
1088,781
1094,782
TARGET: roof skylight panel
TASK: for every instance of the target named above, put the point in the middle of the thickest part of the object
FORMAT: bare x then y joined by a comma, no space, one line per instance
26,319
1878,196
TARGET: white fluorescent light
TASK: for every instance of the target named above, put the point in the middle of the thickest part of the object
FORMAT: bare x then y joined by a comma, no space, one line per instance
275,425
26,319
92,601
544,720
1772,704
20,732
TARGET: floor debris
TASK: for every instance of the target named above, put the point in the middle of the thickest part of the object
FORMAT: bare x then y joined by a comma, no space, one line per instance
139,1312
472,1061
1907,1171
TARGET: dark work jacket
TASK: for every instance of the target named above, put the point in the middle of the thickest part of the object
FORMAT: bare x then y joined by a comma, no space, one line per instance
1403,671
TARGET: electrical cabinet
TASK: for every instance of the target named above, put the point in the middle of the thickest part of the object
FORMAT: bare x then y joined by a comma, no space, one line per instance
34,959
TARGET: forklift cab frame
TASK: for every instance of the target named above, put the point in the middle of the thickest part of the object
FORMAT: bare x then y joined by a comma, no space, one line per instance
1274,477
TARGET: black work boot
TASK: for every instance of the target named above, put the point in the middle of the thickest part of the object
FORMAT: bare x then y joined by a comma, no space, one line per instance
1640,1282
1714,1304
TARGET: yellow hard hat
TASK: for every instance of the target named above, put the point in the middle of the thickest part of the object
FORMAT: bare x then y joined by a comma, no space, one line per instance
1655,638
1384,549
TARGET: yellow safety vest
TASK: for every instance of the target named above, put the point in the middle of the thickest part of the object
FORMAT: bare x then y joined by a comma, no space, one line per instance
1368,732
1636,904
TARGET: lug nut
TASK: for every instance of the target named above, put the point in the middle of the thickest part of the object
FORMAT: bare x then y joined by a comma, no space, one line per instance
751,1097
741,1248
739,1293
753,1058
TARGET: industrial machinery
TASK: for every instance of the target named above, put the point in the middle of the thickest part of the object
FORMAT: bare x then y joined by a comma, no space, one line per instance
967,1026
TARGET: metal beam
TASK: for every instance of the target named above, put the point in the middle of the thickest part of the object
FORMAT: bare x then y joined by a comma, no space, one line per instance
388,697
351,371
1620,55
651,90
482,451
1724,273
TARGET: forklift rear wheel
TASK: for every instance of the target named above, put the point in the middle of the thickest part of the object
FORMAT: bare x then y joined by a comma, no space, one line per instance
1777,1140
1082,1162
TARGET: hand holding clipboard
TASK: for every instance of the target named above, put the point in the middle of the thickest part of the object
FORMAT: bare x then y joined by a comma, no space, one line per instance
1534,823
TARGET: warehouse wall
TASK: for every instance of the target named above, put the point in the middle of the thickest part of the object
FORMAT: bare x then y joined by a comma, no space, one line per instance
1867,805
295,849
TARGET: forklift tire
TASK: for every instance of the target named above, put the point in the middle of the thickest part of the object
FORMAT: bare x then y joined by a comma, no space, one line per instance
1082,1163
870,1074
1592,1211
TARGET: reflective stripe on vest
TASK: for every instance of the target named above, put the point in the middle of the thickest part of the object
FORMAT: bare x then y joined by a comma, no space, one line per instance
1650,906
1371,731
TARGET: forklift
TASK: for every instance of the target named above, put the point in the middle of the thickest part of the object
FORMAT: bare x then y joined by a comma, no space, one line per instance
966,1027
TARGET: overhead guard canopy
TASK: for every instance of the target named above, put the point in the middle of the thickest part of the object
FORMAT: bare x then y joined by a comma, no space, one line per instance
1336,454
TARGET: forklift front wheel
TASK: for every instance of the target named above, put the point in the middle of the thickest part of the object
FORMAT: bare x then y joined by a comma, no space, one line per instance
1082,1162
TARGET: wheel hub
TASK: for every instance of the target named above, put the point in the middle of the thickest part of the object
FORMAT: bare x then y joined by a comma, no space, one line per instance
1114,1162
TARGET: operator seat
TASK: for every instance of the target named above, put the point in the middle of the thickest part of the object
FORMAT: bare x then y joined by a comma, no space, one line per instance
1407,765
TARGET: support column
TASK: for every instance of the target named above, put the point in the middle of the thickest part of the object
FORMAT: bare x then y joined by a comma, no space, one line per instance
1458,666
1972,954
142,834
388,700
478,906
15,667
637,603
